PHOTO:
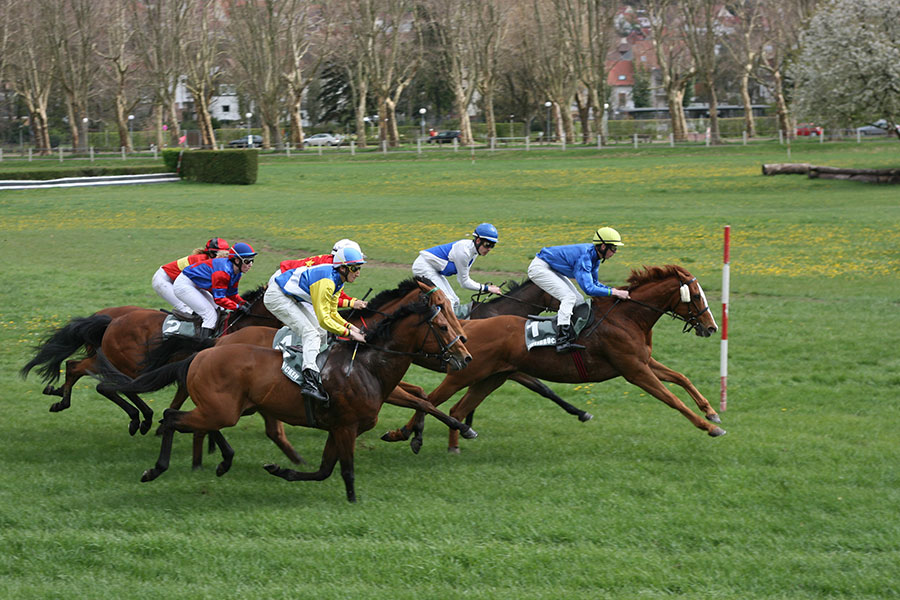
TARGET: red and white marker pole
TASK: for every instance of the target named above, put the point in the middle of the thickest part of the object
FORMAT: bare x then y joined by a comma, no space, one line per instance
723,361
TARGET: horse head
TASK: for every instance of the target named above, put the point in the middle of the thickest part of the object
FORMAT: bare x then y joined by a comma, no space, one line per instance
447,330
678,293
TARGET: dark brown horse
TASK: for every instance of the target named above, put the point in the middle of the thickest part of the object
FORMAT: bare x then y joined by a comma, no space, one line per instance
226,381
125,333
618,343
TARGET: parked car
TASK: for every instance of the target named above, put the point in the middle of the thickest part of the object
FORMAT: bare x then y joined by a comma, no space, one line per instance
444,137
879,127
809,129
241,142
323,139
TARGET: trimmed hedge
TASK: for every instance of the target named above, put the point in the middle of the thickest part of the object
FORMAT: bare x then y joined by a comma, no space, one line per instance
45,174
215,166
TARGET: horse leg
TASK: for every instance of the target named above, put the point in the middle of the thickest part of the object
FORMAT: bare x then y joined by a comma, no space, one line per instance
275,431
402,434
106,390
197,450
227,452
644,378
329,459
400,397
181,396
75,370
416,423
146,411
536,385
470,401
666,374
167,431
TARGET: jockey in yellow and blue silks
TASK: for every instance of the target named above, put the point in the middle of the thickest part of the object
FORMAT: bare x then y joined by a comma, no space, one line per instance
205,285
554,265
306,300
456,258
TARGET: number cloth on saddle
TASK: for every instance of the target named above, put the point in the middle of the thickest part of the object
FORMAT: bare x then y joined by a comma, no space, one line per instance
173,326
541,331
291,349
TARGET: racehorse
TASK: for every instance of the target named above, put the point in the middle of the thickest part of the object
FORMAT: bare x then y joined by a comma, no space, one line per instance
618,343
125,333
227,380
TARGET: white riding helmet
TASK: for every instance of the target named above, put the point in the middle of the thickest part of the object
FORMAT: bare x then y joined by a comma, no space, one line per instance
345,243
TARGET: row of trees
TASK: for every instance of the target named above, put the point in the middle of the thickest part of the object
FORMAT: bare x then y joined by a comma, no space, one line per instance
380,54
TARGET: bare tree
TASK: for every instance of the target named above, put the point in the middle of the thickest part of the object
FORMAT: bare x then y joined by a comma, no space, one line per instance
744,47
674,60
202,47
552,55
702,34
159,28
493,25
306,29
117,49
74,31
31,67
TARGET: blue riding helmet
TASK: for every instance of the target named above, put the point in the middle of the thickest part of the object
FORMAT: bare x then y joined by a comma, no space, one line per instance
348,256
486,231
243,250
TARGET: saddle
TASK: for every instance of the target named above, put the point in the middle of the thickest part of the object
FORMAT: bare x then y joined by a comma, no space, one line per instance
178,324
541,331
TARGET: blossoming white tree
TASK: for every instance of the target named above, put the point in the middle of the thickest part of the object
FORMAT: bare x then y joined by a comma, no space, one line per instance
849,67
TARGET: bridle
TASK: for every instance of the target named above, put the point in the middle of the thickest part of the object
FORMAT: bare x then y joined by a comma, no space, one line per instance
692,320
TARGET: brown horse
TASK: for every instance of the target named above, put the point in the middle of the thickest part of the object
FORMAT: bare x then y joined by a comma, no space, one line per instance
125,334
225,381
618,343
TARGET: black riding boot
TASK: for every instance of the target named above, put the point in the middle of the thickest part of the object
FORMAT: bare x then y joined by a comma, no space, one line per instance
204,333
565,339
312,386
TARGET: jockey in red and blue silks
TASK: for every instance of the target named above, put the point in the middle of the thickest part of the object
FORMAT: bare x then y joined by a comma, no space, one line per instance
306,300
456,258
554,265
165,276
211,283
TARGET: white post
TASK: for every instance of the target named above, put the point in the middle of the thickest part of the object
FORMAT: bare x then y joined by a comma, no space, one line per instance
493,143
563,138
384,146
287,149
822,137
780,136
352,148
60,153
320,149
744,137
1,154
419,145
858,137
671,140
123,152
154,150
527,142
726,284
471,149
456,144
92,154
599,141
29,154
635,140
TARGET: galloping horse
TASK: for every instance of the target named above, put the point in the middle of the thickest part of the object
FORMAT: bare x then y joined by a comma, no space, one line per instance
227,380
618,343
125,333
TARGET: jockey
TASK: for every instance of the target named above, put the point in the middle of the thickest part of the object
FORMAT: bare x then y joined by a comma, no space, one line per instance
456,258
344,300
552,267
213,282
166,274
306,300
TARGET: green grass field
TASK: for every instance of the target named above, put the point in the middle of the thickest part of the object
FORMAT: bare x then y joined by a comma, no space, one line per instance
798,501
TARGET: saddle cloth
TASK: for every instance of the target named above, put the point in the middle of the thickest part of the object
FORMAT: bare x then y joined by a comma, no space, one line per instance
173,326
291,360
541,331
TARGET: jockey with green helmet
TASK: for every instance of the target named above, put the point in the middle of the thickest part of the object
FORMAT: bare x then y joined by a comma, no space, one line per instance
306,300
553,267
456,258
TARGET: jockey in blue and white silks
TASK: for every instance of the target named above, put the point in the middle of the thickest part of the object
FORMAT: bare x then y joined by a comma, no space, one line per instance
554,265
456,258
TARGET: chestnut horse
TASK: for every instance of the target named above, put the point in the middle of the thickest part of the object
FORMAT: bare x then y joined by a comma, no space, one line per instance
226,381
125,334
618,343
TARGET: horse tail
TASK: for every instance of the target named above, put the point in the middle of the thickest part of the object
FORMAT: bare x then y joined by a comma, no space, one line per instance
170,348
64,342
157,379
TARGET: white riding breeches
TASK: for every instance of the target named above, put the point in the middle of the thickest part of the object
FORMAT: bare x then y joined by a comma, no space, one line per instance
163,285
421,268
558,286
200,301
301,318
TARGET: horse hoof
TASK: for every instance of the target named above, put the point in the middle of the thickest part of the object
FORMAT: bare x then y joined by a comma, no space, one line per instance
145,426
415,445
56,407
272,468
713,418
221,469
585,417
149,475
453,450
471,434
717,431
389,437
133,427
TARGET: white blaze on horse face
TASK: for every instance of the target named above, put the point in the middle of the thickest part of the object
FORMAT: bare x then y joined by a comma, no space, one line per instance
706,303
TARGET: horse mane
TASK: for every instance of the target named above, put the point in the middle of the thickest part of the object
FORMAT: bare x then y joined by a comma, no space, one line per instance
382,331
256,294
649,274
404,287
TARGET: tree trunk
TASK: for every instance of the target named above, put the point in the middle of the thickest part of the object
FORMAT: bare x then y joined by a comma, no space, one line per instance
73,124
158,110
296,120
175,119
749,121
714,137
674,97
781,106
41,132
361,133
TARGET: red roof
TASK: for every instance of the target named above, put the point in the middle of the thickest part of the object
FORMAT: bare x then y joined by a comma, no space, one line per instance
620,73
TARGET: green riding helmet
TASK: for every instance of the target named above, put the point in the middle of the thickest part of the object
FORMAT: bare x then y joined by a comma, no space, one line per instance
607,235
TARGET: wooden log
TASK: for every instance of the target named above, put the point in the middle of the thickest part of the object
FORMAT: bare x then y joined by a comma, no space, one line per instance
864,175
786,169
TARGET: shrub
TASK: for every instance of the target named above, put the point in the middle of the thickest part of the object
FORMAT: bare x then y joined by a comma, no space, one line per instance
170,159
220,166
